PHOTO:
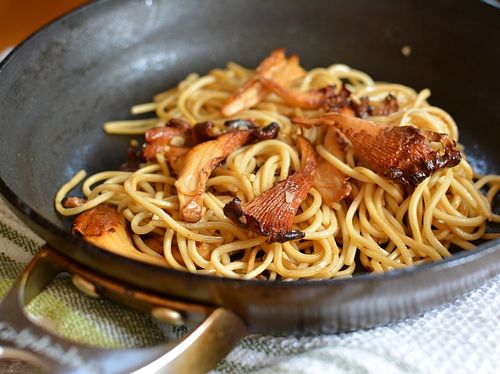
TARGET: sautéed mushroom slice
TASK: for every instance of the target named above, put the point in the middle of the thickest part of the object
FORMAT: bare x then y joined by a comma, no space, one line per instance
405,154
103,227
275,66
331,183
271,213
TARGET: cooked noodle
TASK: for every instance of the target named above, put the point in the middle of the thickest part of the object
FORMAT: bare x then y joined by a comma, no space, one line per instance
380,223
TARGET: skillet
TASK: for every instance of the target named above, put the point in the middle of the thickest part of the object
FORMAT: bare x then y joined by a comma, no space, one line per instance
60,85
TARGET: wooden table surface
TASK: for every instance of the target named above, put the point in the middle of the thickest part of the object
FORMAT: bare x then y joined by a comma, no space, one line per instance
19,18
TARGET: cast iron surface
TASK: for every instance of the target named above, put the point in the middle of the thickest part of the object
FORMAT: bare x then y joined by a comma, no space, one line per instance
58,88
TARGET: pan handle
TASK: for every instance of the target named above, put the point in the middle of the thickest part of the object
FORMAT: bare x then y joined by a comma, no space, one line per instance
22,339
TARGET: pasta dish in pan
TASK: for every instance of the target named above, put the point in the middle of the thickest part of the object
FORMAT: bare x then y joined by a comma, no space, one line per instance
283,173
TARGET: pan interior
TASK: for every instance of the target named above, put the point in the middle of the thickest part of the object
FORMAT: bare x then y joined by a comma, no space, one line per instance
60,86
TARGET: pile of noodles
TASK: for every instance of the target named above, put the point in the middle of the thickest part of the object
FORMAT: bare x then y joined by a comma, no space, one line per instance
379,225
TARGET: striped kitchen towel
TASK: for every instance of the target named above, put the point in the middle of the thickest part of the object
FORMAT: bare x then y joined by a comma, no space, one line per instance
460,337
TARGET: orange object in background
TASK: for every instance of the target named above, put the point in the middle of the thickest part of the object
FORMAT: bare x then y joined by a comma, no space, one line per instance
19,18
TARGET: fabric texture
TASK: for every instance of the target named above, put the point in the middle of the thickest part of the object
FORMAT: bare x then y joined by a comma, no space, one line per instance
460,337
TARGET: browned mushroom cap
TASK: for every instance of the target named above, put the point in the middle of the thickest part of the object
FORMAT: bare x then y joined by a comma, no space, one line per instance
103,227
196,168
275,66
363,108
204,131
73,202
168,140
97,221
389,105
262,133
404,154
271,213
331,183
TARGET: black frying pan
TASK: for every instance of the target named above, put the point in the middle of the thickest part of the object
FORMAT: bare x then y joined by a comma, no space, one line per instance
90,66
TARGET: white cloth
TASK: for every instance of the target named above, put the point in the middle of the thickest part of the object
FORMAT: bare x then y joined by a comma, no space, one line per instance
459,337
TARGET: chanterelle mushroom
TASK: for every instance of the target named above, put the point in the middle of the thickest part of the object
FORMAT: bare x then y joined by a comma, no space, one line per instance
169,140
275,66
271,213
103,227
401,153
327,97
331,183
331,99
200,161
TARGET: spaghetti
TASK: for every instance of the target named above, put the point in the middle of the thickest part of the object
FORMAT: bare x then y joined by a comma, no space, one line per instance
380,225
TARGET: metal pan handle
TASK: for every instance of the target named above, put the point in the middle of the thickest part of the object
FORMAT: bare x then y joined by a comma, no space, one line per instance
21,338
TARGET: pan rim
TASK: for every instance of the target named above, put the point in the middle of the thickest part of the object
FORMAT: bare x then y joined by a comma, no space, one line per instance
27,212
